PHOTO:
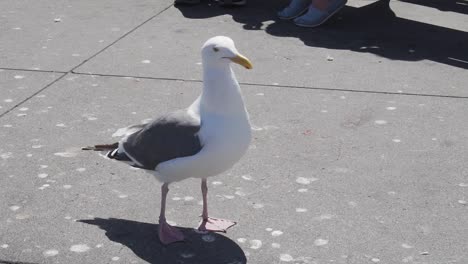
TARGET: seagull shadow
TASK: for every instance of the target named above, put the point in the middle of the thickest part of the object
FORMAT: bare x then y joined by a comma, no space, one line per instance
142,239
374,28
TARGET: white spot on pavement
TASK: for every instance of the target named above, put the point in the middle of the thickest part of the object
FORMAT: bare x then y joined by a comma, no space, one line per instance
275,245
50,253
65,154
269,229
115,258
44,166
81,169
176,198
67,186
463,184
462,202
19,77
44,186
8,100
380,122
42,175
4,246
301,210
276,233
146,61
79,248
255,244
247,177
305,181
260,94
188,198
37,146
325,217
216,183
229,197
302,190
375,260
286,258
396,140
241,240
22,216
258,206
320,242
240,193
6,155
391,108
15,207
99,245
60,125
404,245
24,109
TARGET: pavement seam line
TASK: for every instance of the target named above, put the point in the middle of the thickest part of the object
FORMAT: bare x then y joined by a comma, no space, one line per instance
31,96
277,86
32,70
80,64
120,38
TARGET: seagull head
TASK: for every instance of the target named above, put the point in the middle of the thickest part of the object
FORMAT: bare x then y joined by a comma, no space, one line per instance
221,50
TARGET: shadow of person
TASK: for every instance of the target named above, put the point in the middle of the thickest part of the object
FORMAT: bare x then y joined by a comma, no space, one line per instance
374,29
142,239
457,6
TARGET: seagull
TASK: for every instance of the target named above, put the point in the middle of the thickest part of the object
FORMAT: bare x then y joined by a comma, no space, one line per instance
201,141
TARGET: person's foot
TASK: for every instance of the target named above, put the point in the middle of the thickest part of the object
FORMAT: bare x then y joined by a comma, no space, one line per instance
215,224
294,9
186,2
169,234
319,13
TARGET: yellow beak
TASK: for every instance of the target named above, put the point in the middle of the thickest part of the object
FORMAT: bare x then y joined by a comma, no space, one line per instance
241,60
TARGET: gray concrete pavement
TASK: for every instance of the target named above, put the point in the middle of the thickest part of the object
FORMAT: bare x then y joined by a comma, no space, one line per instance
359,159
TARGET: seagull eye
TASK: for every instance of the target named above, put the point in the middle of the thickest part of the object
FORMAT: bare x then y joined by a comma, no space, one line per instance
215,49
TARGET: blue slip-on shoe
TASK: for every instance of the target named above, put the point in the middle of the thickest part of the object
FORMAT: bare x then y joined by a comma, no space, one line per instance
315,17
294,9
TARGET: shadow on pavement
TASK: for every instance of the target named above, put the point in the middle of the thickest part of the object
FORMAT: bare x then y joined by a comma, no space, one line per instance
458,6
374,28
142,239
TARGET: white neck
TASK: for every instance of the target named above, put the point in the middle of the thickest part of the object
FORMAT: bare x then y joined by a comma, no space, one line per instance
221,92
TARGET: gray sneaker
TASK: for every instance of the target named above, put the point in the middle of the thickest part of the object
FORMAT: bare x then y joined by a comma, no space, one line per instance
294,9
315,17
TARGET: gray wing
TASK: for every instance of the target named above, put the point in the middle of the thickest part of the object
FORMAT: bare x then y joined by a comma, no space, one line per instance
168,137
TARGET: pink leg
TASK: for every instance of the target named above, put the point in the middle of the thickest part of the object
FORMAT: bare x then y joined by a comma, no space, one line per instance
167,233
210,223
